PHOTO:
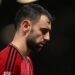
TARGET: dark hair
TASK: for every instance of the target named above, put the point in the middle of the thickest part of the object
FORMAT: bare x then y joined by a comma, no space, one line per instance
32,12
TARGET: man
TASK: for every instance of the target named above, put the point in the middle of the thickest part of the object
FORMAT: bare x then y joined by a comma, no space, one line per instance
33,25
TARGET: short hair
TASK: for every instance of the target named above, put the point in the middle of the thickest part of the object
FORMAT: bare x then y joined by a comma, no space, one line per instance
32,12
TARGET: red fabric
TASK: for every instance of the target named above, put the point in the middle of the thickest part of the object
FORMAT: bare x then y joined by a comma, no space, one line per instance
16,65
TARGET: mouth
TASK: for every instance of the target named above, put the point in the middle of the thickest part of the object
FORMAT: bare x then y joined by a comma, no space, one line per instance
41,44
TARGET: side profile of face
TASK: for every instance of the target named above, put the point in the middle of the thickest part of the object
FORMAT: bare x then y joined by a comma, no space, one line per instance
39,34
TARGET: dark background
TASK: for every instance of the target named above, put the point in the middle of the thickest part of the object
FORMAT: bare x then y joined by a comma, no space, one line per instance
56,57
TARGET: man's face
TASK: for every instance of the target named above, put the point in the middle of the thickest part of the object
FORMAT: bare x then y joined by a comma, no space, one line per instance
40,34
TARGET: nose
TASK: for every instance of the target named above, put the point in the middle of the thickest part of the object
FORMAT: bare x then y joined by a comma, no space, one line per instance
47,36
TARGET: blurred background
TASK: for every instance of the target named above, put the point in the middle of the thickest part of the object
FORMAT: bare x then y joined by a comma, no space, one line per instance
56,57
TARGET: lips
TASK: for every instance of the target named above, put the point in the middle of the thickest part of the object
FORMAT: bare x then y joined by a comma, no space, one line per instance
41,44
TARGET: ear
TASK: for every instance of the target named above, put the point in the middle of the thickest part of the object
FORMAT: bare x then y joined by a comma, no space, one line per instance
26,25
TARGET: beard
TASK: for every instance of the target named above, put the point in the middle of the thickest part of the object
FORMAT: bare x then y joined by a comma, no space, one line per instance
33,46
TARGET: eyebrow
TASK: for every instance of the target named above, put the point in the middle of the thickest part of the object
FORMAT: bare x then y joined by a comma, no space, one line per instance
46,29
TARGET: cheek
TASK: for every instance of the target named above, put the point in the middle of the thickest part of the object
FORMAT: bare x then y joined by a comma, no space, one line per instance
38,38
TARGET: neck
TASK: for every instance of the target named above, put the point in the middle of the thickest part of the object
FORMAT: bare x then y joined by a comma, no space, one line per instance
19,42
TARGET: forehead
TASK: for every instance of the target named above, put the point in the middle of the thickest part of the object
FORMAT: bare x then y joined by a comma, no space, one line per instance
44,22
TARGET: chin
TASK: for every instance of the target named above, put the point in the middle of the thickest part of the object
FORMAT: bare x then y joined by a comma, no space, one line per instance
36,49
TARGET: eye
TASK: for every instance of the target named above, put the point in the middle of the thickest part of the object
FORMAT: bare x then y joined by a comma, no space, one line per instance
44,30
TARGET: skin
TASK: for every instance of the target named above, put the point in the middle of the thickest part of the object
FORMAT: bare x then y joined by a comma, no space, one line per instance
38,34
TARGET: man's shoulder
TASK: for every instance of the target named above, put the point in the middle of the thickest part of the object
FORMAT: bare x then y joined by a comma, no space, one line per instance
4,51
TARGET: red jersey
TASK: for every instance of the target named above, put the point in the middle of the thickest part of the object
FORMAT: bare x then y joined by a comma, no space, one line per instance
12,62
